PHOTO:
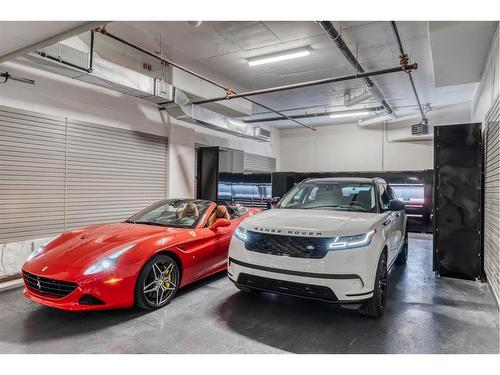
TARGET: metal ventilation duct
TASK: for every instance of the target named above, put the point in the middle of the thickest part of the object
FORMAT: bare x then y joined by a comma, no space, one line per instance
181,108
112,76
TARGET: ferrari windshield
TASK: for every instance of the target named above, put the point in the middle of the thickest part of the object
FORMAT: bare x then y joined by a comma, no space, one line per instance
172,213
336,195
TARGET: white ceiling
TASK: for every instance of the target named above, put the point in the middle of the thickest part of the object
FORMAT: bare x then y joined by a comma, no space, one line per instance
459,50
220,51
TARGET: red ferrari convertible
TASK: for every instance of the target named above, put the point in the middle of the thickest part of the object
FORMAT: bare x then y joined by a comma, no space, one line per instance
142,261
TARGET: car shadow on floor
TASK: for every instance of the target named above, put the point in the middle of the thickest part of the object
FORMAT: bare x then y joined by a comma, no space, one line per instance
299,325
35,322
42,323
307,326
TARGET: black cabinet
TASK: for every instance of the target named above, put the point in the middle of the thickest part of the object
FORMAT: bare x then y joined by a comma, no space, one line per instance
458,201
208,173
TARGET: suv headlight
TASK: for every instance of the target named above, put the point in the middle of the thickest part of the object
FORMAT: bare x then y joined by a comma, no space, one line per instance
351,242
108,261
241,233
39,249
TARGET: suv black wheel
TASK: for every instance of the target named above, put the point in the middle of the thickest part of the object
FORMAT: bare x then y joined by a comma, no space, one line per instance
403,254
157,283
375,306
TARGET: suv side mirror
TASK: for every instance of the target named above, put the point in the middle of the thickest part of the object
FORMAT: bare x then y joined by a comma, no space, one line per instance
220,223
396,205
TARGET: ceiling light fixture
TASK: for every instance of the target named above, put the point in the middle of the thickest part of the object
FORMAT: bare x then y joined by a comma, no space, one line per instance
350,114
288,55
195,23
377,119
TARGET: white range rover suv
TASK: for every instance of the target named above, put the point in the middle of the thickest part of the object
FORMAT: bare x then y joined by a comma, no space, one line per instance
332,239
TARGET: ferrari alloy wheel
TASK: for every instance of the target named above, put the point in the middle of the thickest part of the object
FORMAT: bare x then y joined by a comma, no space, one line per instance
157,283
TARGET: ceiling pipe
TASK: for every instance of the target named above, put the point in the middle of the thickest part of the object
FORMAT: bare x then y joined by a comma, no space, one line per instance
312,115
168,62
358,99
340,43
404,56
310,83
7,76
55,39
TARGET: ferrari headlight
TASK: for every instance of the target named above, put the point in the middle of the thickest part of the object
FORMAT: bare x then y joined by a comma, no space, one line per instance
107,262
351,242
39,249
241,233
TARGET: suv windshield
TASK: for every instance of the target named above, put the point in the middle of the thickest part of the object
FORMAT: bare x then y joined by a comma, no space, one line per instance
333,195
172,213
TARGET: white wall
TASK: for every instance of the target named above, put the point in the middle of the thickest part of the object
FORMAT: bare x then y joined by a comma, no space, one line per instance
484,97
348,147
489,86
56,95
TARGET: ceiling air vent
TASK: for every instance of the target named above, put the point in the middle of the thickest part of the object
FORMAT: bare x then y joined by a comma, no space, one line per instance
262,134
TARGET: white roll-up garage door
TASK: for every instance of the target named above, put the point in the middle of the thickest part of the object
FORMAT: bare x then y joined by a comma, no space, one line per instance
32,173
112,173
492,196
57,174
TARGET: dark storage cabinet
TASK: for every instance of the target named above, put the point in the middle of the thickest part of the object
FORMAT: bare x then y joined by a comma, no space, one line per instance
458,201
208,173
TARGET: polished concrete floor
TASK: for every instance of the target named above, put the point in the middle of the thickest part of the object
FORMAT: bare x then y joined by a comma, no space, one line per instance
424,315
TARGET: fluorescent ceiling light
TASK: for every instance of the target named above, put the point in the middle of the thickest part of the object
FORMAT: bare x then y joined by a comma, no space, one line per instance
350,114
280,57
377,119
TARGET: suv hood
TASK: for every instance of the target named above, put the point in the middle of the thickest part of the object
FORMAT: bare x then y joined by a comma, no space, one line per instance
318,223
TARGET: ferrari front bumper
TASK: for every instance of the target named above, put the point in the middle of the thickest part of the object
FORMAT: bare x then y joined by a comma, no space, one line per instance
90,293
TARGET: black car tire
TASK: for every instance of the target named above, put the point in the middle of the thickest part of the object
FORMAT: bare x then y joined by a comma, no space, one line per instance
374,307
403,254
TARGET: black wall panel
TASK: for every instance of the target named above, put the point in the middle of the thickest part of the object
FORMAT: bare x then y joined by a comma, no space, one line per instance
208,172
458,201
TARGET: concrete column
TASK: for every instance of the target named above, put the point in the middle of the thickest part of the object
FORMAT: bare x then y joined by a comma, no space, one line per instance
181,154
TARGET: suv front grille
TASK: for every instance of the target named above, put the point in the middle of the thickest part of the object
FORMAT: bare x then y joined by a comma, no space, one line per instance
50,287
293,246
287,287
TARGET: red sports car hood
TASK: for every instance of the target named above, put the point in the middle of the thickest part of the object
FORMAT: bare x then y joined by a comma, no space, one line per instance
83,247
